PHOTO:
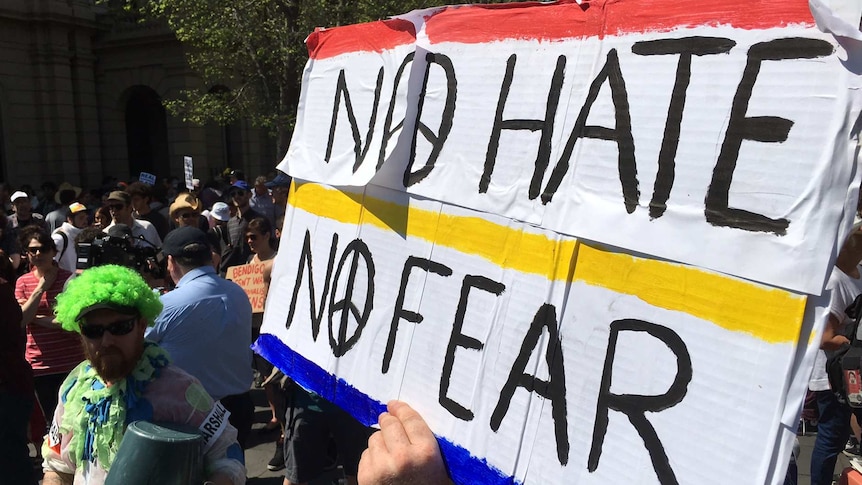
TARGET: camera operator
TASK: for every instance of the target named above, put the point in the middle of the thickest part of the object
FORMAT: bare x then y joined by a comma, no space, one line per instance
143,232
119,247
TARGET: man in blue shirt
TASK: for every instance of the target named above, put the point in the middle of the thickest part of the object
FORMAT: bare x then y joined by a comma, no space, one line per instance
206,326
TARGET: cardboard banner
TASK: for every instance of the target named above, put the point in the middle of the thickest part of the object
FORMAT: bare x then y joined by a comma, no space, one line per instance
250,278
674,131
566,232
522,346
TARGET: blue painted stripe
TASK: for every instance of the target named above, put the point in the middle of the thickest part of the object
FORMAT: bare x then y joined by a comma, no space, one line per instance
463,467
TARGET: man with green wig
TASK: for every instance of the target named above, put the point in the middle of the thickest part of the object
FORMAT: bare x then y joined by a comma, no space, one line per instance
125,379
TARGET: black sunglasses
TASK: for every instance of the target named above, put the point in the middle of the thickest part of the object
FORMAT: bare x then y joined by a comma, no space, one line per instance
188,215
117,328
235,193
36,249
116,207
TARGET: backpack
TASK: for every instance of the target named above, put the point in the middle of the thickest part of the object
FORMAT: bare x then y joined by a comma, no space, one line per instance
844,366
65,243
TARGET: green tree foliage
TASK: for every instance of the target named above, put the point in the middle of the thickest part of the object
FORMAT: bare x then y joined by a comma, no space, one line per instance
256,48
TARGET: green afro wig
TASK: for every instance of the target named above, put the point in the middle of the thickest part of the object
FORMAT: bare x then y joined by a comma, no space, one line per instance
110,285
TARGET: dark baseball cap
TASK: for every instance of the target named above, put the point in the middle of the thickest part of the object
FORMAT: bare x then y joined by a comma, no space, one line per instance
177,242
120,196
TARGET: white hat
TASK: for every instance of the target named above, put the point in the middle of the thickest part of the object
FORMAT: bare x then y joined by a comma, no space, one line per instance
220,212
17,195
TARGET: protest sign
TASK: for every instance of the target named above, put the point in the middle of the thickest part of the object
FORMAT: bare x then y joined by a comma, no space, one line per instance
188,170
563,231
148,178
250,278
579,118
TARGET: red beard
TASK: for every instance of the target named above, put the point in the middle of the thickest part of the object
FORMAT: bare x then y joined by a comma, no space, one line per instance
111,364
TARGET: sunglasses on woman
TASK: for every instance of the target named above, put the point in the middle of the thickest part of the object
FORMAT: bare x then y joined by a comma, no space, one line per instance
117,329
36,249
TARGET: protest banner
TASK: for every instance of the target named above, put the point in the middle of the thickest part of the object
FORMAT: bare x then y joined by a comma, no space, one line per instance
250,278
565,231
148,178
188,171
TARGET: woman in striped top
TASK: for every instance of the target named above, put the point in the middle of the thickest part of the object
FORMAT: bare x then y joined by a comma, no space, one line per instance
51,351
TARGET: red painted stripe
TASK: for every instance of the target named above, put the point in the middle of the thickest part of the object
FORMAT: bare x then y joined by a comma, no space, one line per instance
566,19
368,37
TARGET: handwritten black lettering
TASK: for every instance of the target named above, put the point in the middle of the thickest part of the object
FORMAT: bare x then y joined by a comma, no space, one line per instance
685,47
437,141
341,344
305,260
546,125
766,129
554,389
621,134
458,339
635,406
342,92
400,312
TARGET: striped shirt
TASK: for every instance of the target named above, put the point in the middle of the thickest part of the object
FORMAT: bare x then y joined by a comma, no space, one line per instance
49,350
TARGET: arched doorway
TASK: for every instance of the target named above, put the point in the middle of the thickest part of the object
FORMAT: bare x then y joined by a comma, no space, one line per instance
146,132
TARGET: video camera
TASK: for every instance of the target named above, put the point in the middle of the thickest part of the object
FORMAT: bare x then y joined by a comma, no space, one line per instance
121,250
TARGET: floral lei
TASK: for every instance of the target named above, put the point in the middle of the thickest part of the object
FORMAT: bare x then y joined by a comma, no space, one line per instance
96,413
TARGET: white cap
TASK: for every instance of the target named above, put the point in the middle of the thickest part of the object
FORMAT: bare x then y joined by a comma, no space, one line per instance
220,212
17,195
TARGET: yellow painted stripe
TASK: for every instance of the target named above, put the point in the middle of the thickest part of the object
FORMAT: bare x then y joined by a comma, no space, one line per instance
504,246
769,314
772,315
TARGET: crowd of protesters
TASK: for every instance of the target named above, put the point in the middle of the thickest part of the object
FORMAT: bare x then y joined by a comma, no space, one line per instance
116,309
205,325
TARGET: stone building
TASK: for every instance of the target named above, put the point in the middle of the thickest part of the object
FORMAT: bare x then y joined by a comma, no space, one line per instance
80,99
